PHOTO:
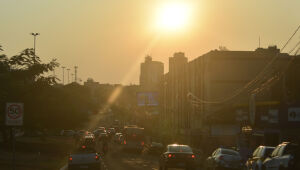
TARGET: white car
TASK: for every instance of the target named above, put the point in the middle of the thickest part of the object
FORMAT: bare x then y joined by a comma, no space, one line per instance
84,158
224,158
259,155
284,156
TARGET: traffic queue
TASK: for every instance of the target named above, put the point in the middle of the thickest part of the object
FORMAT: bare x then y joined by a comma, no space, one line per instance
133,138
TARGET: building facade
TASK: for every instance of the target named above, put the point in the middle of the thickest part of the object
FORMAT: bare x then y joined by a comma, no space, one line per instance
211,94
150,74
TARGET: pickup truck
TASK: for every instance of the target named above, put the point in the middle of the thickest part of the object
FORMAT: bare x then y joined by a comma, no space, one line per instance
84,158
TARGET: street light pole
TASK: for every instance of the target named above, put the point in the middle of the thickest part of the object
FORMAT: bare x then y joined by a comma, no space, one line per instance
34,40
68,75
63,69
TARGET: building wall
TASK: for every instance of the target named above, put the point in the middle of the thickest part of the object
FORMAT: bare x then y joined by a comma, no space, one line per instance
151,74
217,76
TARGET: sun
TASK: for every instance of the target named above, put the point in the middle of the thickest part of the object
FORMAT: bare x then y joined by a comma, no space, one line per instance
173,16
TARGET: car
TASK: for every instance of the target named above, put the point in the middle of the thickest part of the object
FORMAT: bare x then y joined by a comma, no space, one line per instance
258,157
177,156
116,137
101,136
82,132
156,148
88,140
223,158
97,132
285,156
67,133
84,158
121,139
112,130
101,128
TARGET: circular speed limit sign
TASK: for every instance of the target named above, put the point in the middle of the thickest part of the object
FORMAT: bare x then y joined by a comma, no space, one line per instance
14,114
14,111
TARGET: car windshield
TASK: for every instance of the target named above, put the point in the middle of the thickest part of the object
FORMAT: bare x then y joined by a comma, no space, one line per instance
179,148
84,150
229,152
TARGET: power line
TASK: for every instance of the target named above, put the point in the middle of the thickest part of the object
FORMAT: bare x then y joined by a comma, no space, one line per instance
252,82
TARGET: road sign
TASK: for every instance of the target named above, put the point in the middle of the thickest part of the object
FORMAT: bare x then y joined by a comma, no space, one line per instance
14,114
147,98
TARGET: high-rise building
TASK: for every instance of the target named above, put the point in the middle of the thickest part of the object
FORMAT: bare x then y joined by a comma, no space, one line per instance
151,74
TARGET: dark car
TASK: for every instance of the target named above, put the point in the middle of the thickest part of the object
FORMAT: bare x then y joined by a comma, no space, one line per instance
89,141
285,156
223,158
156,148
258,157
84,158
177,156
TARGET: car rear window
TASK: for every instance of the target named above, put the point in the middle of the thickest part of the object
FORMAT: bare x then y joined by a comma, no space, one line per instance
85,150
229,152
179,148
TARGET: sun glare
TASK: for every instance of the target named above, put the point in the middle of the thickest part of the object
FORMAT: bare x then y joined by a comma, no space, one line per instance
173,16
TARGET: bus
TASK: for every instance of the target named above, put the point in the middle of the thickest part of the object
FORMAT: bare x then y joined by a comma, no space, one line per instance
134,138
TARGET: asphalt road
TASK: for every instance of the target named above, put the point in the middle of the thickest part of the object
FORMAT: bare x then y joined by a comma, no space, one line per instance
117,159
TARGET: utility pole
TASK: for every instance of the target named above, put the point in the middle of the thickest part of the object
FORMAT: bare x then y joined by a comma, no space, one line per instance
68,75
63,69
75,68
34,40
72,77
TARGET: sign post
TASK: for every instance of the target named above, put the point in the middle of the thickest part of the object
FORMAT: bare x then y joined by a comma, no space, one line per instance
14,117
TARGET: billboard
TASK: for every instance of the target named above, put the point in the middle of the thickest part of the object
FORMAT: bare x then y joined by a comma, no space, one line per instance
147,99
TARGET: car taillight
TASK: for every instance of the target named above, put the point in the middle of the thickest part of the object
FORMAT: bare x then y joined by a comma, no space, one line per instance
96,157
83,146
142,143
124,142
170,155
193,156
70,158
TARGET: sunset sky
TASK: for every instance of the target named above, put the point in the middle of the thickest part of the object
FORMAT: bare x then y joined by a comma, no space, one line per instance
107,39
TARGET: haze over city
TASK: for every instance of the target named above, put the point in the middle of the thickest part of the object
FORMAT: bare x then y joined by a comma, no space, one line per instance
103,36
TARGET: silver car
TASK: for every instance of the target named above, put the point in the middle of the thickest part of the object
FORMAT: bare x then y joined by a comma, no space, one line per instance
224,158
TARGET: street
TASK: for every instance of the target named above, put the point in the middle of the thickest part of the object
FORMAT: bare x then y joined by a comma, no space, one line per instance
117,159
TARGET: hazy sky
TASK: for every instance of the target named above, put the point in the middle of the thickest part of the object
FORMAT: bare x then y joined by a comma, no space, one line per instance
108,38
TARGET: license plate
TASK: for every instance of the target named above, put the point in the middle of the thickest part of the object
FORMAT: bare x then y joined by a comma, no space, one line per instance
84,167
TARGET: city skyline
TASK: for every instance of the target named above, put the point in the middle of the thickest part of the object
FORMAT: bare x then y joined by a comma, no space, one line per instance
109,37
